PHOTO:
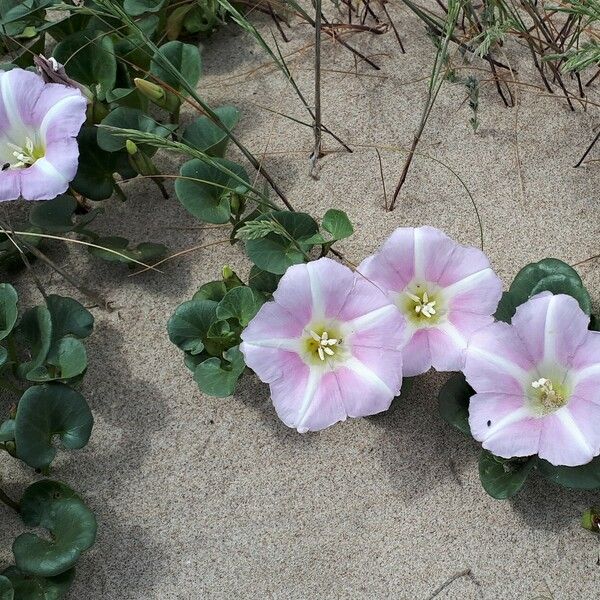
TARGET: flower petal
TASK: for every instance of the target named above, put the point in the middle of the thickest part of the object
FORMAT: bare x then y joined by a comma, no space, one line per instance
42,181
294,294
562,441
447,348
585,370
488,409
330,284
416,355
60,112
516,435
19,92
433,250
272,322
497,360
10,184
552,327
466,263
478,293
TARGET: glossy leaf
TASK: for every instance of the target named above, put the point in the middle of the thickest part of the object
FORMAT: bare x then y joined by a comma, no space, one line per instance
89,58
69,317
8,309
30,587
506,308
128,118
584,477
72,526
189,325
240,303
263,281
205,190
206,136
453,402
213,290
217,377
549,274
35,329
6,589
276,252
185,58
7,431
66,360
46,411
337,223
57,215
502,478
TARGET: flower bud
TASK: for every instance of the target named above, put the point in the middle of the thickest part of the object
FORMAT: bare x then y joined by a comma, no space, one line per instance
157,94
591,519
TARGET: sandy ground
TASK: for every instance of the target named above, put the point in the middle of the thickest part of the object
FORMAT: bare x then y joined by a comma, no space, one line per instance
214,498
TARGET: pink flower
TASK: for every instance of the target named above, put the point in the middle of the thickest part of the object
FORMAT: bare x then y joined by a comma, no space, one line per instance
328,346
538,383
444,290
39,123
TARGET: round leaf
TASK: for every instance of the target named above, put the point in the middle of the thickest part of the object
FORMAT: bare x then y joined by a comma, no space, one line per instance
453,402
69,317
502,478
584,477
337,223
205,190
30,587
213,290
275,252
66,360
139,7
240,303
46,411
262,280
184,58
127,118
8,309
203,134
6,589
218,378
189,325
55,507
7,431
36,330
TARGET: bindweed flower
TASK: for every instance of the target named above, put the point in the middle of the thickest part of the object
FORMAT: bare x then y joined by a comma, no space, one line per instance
39,123
328,346
537,383
445,292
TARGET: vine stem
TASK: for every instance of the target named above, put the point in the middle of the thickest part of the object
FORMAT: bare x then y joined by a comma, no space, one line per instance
317,120
9,501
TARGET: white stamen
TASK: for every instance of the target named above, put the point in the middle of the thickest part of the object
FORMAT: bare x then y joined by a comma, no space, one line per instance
315,336
325,347
321,353
423,306
328,351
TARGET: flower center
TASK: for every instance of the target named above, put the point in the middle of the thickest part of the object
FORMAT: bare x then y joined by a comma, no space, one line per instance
421,304
323,344
548,397
23,156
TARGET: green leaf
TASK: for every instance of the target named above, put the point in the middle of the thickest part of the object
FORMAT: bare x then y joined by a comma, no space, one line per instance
240,303
213,290
6,589
506,308
337,223
203,18
206,136
69,317
219,378
8,309
503,478
146,252
549,274
453,402
262,280
594,322
184,57
128,118
189,325
30,587
66,360
46,411
205,190
7,431
36,330
56,216
139,7
584,477
89,58
276,252
71,524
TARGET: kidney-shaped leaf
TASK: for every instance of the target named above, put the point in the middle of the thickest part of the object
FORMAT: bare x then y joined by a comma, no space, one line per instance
205,135
186,60
139,7
6,589
46,411
36,331
453,402
30,587
189,325
337,223
502,478
205,190
584,477
71,524
276,252
8,309
240,303
217,377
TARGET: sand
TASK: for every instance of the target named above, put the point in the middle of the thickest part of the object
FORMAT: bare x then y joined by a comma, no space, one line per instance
199,497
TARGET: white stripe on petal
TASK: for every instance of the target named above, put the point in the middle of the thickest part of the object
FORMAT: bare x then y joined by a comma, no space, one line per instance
566,418
314,377
418,254
282,344
56,108
467,283
365,373
371,318
318,308
586,372
507,366
513,417
550,333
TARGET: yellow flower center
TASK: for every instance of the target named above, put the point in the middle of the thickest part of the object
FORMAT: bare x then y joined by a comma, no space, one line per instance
25,155
421,304
548,397
323,343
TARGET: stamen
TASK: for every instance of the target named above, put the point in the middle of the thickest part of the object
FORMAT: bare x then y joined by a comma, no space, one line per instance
423,305
326,344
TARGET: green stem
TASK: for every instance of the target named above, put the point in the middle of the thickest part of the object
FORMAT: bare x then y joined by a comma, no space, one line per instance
9,501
